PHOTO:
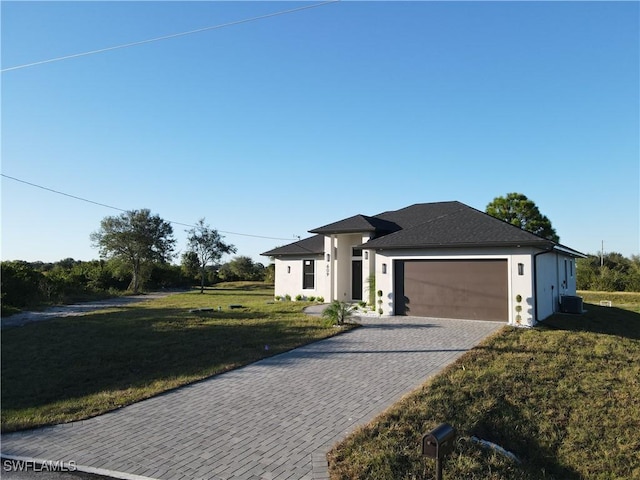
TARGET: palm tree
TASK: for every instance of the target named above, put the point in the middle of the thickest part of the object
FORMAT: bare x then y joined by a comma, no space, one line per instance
338,312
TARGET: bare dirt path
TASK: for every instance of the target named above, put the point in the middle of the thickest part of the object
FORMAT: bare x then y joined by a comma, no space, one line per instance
77,309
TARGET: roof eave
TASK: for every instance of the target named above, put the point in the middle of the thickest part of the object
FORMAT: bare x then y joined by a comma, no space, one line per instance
457,245
323,231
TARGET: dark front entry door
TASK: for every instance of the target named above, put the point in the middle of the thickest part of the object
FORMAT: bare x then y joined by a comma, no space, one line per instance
356,280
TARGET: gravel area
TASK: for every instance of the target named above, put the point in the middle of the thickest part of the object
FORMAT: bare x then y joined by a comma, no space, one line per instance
77,309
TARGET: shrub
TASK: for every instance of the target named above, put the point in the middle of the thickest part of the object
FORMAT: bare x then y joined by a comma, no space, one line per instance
338,312
287,297
299,298
320,299
312,298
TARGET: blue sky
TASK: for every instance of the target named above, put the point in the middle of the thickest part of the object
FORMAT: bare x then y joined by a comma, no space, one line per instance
280,125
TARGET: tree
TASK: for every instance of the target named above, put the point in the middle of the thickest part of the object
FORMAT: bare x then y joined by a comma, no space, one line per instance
208,246
137,238
518,210
242,268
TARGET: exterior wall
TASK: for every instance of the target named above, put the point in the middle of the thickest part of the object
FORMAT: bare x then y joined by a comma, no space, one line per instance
518,284
289,277
341,248
525,265
521,287
555,276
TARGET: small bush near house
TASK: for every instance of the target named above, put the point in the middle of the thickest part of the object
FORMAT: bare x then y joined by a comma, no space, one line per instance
287,297
337,312
299,298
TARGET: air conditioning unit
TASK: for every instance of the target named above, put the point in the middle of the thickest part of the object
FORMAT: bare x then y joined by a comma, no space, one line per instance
570,304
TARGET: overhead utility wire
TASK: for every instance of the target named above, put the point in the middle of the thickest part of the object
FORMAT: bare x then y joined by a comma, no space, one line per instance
167,37
123,210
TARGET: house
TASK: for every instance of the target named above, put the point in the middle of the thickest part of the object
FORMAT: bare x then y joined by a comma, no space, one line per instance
442,259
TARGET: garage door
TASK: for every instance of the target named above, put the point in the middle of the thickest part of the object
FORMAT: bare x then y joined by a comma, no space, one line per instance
470,289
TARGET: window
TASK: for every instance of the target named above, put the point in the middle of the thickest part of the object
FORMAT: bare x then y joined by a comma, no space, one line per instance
571,268
356,252
308,274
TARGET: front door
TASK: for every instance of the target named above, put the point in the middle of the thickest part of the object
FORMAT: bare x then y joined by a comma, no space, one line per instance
356,280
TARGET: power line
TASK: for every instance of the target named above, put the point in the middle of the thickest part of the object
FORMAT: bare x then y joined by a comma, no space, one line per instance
123,210
167,37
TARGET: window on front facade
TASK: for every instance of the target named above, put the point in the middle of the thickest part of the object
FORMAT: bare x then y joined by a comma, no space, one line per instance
356,252
308,274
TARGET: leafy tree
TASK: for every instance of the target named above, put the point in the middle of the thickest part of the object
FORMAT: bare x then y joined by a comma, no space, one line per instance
270,273
137,238
611,272
242,268
208,246
21,284
518,210
190,265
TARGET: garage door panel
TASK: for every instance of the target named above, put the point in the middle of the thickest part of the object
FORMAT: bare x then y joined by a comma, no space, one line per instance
473,289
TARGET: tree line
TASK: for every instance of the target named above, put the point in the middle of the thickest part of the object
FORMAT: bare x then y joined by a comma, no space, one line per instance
29,284
136,249
611,272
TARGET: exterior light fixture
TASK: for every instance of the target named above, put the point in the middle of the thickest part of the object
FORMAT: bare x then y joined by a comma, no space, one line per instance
366,255
328,257
521,269
384,268
288,268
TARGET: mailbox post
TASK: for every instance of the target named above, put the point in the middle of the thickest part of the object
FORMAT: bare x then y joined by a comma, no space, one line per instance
438,443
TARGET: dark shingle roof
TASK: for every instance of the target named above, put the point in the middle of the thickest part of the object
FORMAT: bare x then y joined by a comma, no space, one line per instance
307,246
451,224
356,224
424,225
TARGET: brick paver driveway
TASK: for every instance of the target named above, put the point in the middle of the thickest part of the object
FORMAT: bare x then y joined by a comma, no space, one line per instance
274,419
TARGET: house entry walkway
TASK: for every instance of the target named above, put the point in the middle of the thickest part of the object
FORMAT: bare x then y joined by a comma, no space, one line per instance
274,419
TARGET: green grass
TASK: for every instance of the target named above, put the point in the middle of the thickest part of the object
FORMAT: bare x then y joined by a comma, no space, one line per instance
68,369
562,397
624,300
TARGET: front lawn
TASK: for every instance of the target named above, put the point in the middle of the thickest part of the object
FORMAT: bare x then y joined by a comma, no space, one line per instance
562,397
67,369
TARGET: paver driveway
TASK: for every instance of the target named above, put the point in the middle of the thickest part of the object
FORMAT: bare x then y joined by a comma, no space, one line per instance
274,419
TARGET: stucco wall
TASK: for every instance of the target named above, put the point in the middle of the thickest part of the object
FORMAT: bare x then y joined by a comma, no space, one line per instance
518,284
552,282
289,277
333,275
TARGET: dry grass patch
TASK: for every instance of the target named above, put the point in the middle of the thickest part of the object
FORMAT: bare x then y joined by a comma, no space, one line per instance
562,397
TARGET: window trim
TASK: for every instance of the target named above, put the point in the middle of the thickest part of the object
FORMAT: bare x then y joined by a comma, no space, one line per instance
308,274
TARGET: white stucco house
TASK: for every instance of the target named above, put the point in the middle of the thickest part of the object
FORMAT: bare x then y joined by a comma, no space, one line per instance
442,259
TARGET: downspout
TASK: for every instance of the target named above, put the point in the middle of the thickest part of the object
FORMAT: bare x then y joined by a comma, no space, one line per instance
535,281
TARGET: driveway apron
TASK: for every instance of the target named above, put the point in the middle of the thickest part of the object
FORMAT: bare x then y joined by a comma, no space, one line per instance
273,419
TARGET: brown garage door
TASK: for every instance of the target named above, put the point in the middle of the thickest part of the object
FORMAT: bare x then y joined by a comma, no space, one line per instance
470,289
